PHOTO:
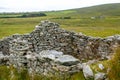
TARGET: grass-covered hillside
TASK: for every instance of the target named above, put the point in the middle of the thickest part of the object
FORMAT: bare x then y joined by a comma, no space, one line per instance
101,21
105,10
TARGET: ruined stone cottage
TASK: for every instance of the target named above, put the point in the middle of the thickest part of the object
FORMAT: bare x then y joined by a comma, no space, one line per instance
48,40
49,36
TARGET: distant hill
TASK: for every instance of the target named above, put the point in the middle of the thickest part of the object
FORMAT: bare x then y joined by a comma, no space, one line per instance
109,10
106,10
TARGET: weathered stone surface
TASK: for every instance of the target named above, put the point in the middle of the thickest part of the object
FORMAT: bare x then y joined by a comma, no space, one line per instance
59,57
100,76
67,60
87,71
51,54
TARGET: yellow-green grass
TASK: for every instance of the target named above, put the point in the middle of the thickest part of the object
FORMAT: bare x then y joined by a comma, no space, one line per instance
98,28
114,66
96,69
9,26
95,31
11,73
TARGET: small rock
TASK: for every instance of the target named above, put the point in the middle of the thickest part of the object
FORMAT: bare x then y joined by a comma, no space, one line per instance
30,57
100,76
79,66
87,71
101,66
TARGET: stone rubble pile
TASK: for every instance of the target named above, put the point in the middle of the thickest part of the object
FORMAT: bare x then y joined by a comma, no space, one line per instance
49,49
46,62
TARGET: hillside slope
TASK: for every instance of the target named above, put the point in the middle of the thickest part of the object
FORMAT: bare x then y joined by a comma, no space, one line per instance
106,10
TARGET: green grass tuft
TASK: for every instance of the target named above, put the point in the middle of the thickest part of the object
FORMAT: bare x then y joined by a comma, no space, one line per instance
11,73
114,72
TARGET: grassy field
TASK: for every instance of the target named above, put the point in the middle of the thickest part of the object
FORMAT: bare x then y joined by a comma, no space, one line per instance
98,27
12,73
114,66
80,21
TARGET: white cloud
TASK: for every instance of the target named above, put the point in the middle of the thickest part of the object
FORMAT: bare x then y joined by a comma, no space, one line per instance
38,5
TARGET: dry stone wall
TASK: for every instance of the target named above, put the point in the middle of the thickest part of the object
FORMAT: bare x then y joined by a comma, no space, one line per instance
49,36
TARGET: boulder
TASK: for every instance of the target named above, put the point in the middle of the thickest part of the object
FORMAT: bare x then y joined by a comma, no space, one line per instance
59,57
100,76
67,60
87,71
51,54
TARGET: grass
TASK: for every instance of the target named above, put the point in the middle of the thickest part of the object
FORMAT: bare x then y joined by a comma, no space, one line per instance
11,26
111,67
12,73
114,66
96,68
97,28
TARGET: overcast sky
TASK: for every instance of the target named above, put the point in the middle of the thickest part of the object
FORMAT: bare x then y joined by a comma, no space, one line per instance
47,5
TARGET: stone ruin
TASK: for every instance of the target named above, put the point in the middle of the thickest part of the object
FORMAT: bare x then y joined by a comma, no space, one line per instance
49,36
49,48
